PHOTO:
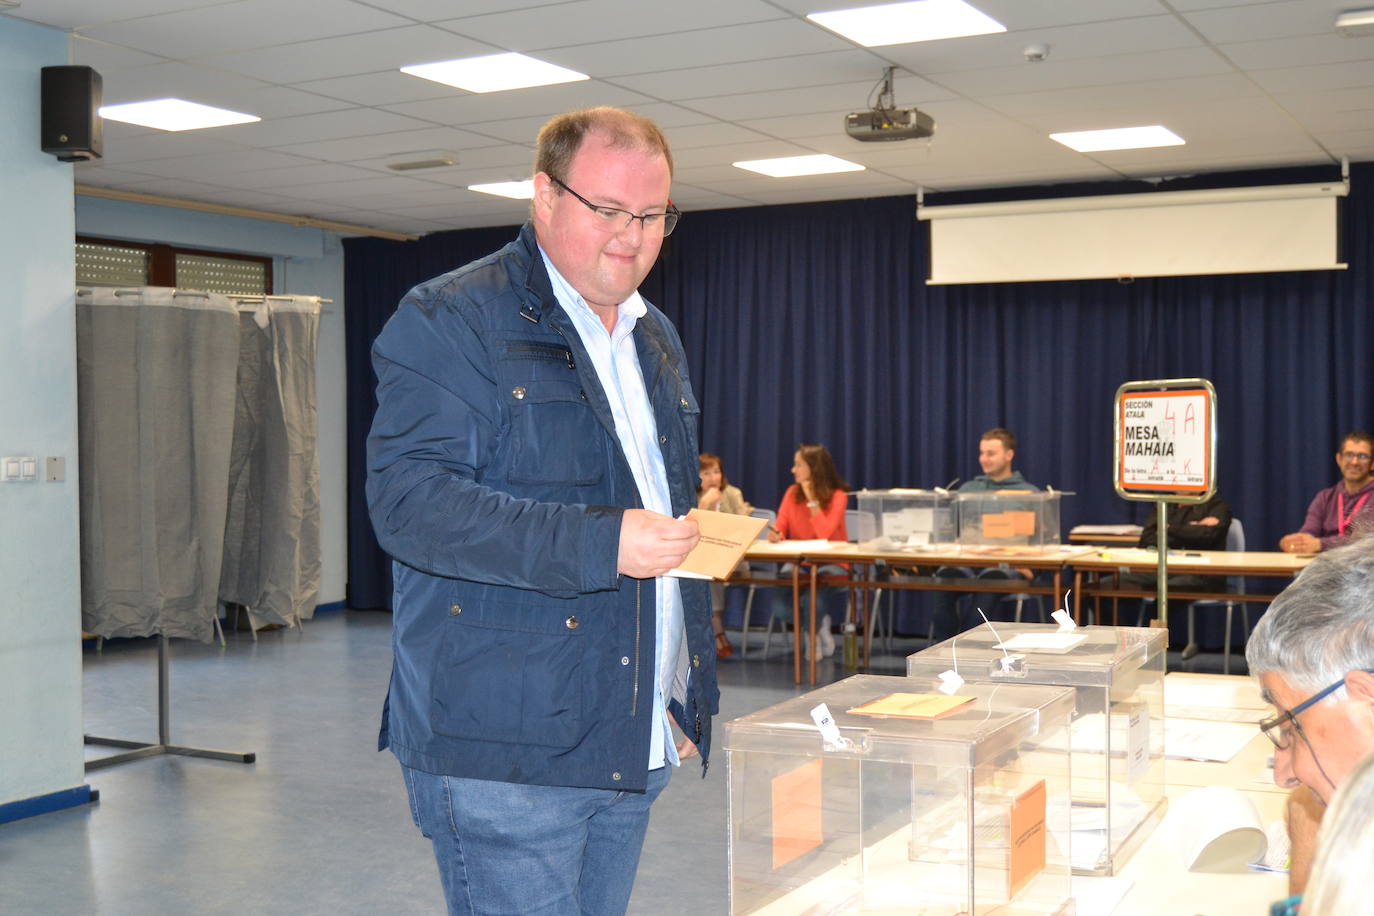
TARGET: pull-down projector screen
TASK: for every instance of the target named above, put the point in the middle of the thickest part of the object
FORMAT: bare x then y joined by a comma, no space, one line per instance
1170,233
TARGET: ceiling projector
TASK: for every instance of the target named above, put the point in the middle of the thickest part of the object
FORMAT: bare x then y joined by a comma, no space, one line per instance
889,124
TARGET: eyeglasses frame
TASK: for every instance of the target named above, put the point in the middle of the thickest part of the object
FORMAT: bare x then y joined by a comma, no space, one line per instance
1274,724
668,227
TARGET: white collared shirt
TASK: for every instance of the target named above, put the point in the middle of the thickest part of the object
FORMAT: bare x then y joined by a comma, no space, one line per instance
616,361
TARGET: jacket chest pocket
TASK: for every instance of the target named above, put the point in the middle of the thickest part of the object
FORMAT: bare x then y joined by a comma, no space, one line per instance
556,438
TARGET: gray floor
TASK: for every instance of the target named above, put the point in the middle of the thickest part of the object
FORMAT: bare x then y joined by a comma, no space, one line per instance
319,823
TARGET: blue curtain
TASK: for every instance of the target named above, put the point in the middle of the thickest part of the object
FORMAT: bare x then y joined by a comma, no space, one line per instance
813,322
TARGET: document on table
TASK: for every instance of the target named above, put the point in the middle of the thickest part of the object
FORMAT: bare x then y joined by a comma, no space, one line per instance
724,539
1213,699
792,547
1043,642
1191,739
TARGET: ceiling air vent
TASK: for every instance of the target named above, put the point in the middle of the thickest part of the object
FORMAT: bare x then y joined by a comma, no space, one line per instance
433,159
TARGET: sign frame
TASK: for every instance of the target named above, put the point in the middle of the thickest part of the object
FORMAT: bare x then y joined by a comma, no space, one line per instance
1173,387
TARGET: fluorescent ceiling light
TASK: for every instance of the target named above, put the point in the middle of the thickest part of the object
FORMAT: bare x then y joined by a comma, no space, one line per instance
903,23
515,190
174,114
495,72
1096,141
1355,23
793,166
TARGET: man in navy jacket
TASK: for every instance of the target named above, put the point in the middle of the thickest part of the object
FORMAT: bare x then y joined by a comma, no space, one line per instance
534,446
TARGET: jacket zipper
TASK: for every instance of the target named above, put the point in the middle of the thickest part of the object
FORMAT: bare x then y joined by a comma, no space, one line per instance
555,354
634,697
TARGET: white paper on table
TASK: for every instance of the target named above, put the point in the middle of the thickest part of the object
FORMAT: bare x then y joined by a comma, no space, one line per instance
1235,700
685,574
1190,739
1043,642
1098,896
1216,829
815,544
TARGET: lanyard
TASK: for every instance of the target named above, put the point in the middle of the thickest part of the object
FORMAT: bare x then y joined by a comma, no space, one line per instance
1343,520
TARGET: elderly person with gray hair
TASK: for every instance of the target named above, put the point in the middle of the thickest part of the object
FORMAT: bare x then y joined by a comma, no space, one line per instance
1313,653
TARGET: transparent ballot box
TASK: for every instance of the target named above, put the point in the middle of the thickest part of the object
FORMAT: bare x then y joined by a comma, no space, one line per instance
1007,518
908,518
965,813
1118,732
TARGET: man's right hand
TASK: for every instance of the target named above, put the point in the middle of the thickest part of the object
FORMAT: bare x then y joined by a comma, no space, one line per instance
651,544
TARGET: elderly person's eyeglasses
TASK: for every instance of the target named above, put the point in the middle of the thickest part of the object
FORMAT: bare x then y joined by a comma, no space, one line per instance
1278,729
617,220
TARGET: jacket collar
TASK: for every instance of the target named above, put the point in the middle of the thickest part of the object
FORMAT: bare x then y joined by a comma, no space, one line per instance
536,280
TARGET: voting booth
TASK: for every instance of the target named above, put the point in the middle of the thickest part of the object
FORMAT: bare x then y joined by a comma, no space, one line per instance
902,802
910,518
1117,674
1008,518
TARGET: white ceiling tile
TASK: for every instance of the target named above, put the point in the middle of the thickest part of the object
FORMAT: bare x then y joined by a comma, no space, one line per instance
105,176
717,133
1262,21
162,145
309,173
219,164
75,14
746,107
1096,71
434,10
197,32
734,152
106,58
1316,77
464,108
173,187
757,76
1097,39
1301,51
1017,14
388,146
1163,95
273,102
177,79
384,87
689,199
700,48
357,187
328,125
348,54
587,21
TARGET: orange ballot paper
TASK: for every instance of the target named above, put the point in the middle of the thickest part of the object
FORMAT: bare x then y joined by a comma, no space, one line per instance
724,539
912,705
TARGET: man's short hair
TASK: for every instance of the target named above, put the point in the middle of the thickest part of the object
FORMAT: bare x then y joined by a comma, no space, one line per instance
1357,435
561,138
1005,436
1322,625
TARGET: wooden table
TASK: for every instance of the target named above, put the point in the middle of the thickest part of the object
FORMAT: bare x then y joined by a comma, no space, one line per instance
1090,570
864,561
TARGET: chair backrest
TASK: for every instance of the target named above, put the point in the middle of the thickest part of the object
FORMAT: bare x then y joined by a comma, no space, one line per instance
1235,541
1235,536
860,526
763,536
764,513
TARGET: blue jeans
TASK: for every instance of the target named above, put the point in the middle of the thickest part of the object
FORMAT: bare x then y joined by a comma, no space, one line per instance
505,848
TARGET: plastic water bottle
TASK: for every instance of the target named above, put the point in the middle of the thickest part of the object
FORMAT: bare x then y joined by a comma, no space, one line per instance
851,646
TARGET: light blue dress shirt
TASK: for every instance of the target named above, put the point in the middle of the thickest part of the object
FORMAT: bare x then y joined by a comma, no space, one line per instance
617,366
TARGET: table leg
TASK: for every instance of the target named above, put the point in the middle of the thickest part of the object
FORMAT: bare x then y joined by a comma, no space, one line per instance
811,628
1078,597
796,620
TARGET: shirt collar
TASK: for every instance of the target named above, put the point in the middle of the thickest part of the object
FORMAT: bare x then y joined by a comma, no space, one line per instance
628,312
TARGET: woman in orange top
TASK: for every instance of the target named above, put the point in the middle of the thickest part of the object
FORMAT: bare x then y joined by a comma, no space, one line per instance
813,509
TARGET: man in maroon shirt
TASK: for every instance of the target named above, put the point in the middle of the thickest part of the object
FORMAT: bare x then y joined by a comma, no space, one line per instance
1340,510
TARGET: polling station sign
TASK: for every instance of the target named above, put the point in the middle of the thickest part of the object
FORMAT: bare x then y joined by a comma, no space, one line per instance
1165,442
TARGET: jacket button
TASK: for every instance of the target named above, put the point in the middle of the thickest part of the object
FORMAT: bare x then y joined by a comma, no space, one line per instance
696,661
683,402
519,392
570,623
583,395
455,610
624,659
662,440
616,776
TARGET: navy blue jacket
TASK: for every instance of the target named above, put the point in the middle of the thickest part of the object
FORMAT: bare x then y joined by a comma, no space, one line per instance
496,482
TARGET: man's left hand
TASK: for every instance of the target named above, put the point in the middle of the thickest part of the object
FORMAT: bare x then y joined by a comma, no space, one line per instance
686,749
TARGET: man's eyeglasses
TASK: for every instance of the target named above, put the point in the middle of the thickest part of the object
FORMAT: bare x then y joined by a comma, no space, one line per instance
1356,456
1276,728
618,220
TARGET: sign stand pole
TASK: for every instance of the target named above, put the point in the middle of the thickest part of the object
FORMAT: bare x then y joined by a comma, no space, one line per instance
1162,571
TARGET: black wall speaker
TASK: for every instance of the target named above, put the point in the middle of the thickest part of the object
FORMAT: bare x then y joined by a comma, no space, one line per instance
72,129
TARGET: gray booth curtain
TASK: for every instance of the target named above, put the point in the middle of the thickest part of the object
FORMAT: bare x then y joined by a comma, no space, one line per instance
199,468
272,528
155,414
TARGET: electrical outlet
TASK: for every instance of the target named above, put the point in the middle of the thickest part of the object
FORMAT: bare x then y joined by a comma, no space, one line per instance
55,468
